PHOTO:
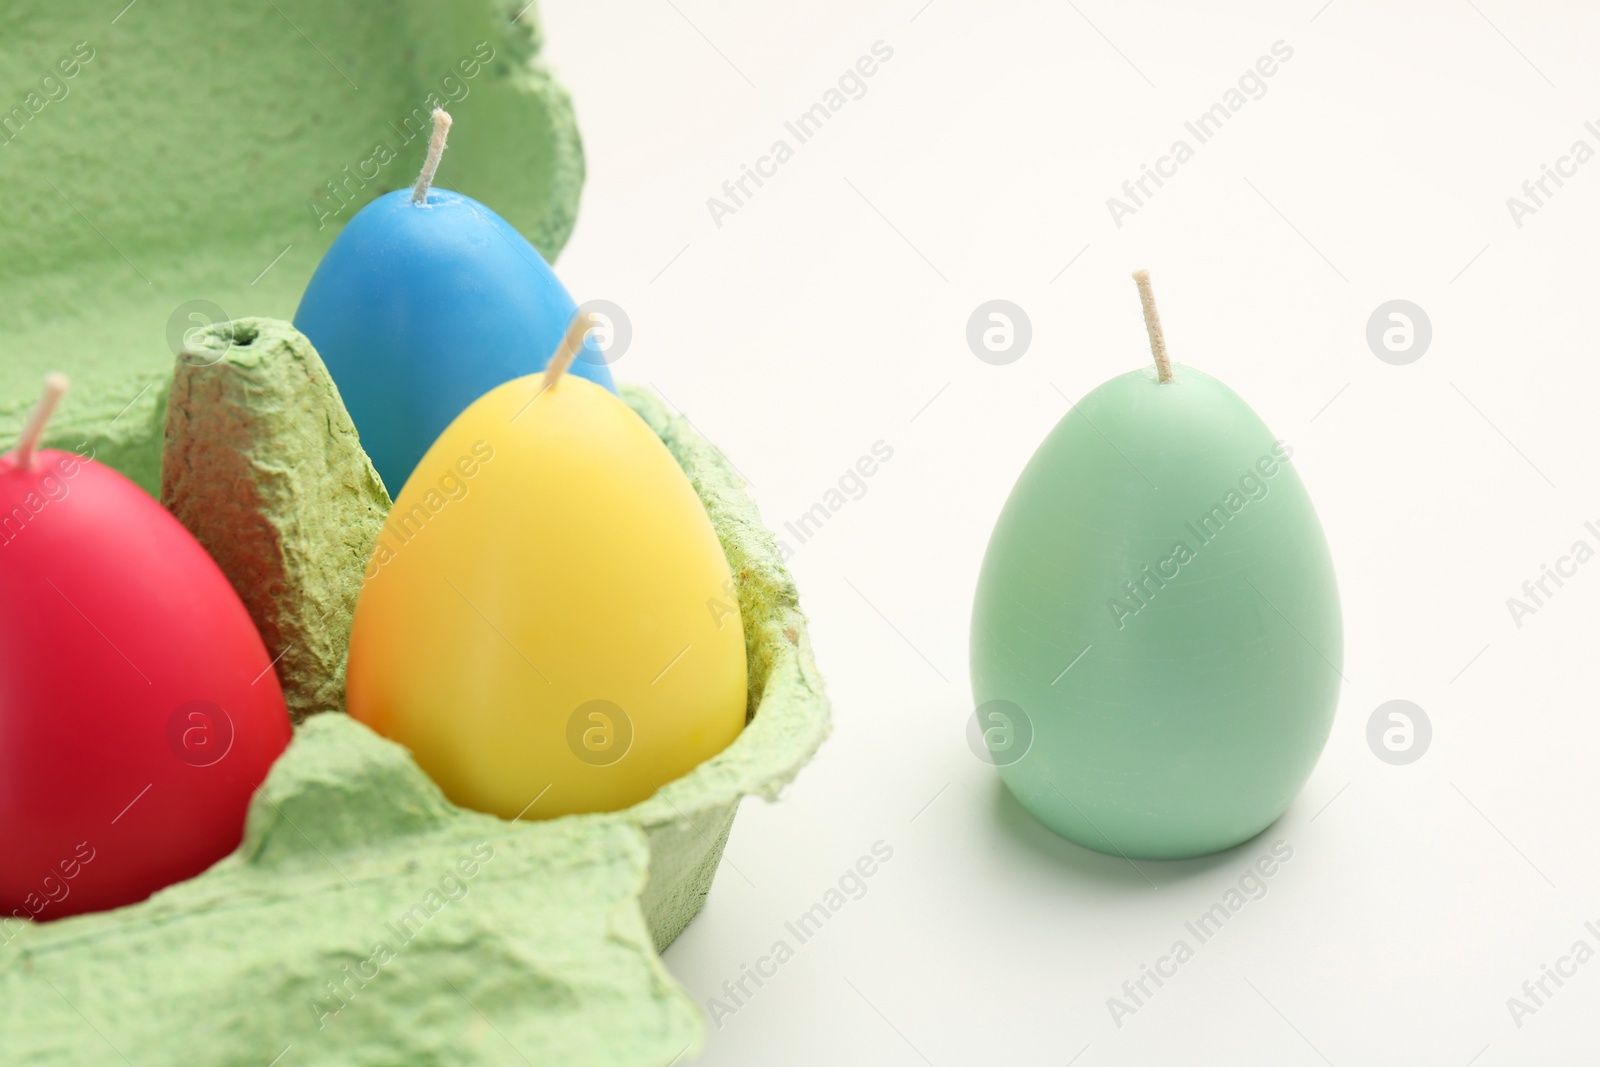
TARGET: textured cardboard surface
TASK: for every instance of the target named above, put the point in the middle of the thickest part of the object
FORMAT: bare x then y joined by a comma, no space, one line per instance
196,165
263,465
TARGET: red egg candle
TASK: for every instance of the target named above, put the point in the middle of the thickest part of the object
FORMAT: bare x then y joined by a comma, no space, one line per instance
138,708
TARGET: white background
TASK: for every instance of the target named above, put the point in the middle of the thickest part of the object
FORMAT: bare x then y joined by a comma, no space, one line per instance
829,313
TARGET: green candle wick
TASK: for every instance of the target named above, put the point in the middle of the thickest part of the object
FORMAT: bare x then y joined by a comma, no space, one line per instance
1152,325
430,166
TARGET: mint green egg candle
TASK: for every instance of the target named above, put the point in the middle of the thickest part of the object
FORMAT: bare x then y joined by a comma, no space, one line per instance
1156,639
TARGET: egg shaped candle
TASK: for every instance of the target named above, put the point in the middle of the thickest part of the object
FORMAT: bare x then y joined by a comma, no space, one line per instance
424,302
1157,627
139,710
548,620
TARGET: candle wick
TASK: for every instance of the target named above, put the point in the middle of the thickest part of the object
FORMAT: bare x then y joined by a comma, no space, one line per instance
1152,324
567,350
55,386
430,166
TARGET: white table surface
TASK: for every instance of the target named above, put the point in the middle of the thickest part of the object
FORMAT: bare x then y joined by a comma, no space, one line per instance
829,313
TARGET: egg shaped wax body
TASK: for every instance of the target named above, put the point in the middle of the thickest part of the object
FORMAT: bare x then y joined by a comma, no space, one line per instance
1158,623
549,607
420,309
138,707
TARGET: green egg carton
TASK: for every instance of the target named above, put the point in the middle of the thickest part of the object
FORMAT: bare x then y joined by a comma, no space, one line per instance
187,162
194,165
365,919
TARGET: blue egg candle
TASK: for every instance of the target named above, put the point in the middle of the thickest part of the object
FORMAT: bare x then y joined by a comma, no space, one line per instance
426,301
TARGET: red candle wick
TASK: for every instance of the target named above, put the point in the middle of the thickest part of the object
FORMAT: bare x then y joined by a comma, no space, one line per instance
55,387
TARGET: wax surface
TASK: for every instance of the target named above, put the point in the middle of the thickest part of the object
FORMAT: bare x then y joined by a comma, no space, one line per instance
1181,716
420,309
548,553
138,708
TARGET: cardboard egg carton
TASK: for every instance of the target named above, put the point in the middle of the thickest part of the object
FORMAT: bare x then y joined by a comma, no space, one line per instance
365,919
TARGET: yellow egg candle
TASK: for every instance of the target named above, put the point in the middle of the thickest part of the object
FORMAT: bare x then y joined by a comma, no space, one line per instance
548,620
